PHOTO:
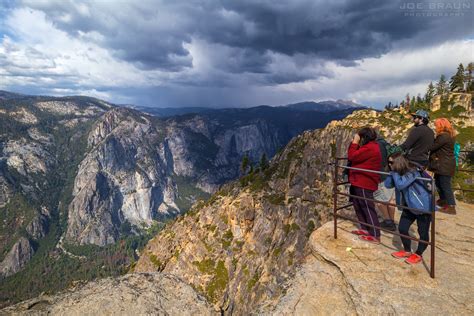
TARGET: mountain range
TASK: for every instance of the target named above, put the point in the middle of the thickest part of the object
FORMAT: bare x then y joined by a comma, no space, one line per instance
321,106
79,172
264,244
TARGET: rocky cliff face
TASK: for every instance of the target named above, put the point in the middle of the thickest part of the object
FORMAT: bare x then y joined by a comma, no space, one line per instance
38,149
92,173
17,257
243,243
239,247
139,168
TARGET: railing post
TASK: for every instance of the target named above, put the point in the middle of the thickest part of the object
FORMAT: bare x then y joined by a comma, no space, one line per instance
335,196
433,221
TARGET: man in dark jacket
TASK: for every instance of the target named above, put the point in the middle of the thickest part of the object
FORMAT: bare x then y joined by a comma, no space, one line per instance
419,140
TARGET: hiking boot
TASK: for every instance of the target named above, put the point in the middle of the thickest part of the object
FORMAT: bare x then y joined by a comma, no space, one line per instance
360,232
440,202
401,254
371,239
449,209
414,259
388,224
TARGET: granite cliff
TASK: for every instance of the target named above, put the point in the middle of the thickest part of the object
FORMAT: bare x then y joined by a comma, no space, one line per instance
239,247
261,244
80,171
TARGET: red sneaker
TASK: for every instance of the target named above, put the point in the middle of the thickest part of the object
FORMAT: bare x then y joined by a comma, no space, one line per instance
360,232
401,254
414,259
370,238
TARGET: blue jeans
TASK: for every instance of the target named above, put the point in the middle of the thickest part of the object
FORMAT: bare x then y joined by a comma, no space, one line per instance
443,185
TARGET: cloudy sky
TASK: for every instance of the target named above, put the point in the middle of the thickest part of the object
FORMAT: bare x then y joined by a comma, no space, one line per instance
232,53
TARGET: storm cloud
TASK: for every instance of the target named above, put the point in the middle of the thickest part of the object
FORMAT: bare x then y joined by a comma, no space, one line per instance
215,46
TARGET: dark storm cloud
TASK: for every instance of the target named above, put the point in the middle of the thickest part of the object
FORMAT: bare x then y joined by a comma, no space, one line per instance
152,34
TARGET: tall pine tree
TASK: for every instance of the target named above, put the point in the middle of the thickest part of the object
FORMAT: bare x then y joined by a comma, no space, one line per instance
430,92
263,162
457,81
245,163
442,86
468,77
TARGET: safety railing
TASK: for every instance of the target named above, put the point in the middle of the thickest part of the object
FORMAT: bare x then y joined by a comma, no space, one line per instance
337,208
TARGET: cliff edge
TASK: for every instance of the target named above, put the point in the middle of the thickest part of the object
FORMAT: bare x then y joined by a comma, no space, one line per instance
366,280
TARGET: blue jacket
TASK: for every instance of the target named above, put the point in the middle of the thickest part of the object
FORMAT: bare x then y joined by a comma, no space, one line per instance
410,191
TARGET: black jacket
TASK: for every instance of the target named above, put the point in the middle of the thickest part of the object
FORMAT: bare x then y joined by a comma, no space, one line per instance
418,144
442,159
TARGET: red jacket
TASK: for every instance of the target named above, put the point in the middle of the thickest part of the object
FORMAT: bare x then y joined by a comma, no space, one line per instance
369,157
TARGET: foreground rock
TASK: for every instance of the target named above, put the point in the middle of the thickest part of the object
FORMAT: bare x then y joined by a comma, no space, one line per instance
367,280
133,294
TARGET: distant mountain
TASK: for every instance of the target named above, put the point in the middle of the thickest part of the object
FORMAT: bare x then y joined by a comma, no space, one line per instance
78,174
167,112
325,106
5,95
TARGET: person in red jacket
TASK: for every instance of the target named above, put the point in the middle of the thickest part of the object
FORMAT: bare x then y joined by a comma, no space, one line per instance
364,152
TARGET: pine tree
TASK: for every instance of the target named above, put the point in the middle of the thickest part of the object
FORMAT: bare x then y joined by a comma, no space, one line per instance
442,86
412,104
263,162
430,92
468,77
457,81
419,99
245,163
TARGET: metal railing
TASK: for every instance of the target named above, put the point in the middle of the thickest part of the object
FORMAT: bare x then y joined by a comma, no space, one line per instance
337,193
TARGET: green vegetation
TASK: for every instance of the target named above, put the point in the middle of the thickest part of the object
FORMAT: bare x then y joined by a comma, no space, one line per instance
294,227
13,219
205,266
154,259
188,193
219,283
294,155
276,199
253,281
220,277
287,228
227,239
465,134
50,271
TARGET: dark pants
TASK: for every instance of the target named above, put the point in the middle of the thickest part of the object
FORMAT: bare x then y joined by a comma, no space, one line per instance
365,210
423,221
443,185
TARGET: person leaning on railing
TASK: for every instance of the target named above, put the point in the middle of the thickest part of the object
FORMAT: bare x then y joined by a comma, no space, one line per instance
413,193
364,153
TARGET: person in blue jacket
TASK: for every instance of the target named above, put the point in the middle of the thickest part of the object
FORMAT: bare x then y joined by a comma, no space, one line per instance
413,193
